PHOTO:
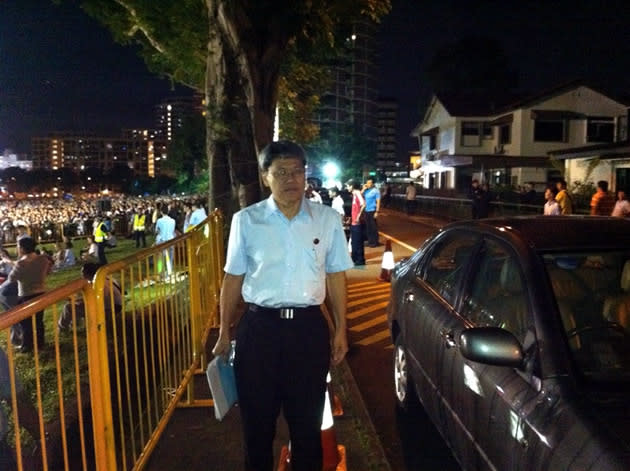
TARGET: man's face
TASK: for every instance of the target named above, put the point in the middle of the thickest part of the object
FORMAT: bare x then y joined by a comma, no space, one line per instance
285,178
369,183
621,195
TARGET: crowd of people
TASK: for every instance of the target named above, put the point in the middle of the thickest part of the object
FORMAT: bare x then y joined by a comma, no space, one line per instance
558,200
80,212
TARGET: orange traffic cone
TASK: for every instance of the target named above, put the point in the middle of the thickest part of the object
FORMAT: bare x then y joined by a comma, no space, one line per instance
388,263
333,454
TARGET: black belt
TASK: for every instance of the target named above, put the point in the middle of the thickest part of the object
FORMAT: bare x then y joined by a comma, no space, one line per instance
287,312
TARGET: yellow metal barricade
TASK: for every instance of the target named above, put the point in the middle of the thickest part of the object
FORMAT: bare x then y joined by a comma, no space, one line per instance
133,355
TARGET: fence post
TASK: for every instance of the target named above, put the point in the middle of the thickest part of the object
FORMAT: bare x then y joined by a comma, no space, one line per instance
98,370
192,243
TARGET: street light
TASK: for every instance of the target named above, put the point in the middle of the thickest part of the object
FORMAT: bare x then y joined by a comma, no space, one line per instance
330,171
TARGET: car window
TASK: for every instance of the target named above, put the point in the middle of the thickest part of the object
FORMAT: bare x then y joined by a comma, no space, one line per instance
497,295
592,291
447,262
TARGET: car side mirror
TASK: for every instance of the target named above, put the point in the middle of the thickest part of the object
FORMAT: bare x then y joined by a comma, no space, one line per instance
491,346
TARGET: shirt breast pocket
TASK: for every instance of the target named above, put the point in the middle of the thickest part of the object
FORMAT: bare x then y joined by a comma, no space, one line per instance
315,257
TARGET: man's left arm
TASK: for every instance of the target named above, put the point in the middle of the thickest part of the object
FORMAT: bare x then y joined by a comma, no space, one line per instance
336,288
378,203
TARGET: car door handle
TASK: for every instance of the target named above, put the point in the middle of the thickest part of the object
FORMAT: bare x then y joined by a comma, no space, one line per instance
408,296
448,338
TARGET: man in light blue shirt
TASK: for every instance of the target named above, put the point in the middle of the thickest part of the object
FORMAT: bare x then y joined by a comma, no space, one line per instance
197,216
285,256
372,197
165,231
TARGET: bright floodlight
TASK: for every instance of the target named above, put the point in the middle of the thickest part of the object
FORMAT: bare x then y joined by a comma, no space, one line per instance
330,170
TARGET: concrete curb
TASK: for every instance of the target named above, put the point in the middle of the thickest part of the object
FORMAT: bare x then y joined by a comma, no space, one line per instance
373,457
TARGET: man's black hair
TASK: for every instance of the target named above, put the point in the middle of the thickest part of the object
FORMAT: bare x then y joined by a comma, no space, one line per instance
603,184
27,244
89,269
280,150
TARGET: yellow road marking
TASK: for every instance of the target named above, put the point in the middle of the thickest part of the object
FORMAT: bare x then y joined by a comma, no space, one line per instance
362,283
366,310
369,289
367,324
399,242
365,300
384,334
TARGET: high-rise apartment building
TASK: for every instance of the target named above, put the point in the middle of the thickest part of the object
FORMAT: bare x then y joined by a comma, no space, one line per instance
140,150
171,113
350,106
387,162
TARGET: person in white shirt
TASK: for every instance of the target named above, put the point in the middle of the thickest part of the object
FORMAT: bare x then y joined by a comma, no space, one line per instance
622,206
165,231
312,195
285,255
336,201
551,208
197,216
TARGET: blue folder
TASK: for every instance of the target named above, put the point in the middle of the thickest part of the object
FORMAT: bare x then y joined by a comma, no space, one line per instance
220,374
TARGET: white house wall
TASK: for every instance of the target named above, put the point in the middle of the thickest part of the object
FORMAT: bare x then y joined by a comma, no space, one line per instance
581,100
576,170
439,117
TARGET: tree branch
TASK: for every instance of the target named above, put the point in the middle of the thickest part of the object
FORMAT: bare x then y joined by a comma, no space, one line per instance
138,27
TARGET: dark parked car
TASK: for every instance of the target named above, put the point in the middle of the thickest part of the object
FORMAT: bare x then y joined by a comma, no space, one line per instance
514,334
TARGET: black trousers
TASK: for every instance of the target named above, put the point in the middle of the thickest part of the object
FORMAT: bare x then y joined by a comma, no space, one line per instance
371,229
140,236
356,243
22,332
282,363
101,253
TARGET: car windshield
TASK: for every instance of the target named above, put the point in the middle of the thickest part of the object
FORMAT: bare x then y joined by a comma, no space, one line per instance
592,291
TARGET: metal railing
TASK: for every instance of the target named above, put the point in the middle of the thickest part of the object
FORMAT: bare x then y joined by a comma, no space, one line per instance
460,208
102,391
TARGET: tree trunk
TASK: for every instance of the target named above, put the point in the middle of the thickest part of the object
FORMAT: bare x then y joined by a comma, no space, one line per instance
241,94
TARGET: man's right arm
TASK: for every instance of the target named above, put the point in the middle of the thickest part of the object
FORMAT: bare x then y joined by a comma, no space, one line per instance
228,305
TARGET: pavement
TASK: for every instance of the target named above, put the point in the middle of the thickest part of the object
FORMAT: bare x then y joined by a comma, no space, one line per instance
195,440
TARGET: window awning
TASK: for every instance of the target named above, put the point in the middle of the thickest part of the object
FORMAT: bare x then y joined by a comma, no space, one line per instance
505,119
556,114
431,132
494,161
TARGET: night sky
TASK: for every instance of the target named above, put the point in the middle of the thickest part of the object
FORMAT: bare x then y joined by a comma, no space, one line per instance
60,70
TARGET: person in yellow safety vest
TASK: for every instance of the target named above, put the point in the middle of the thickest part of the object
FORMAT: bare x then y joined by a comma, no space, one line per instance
139,228
100,236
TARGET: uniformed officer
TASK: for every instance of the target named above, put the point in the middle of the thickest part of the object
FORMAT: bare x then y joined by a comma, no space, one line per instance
139,227
285,255
100,236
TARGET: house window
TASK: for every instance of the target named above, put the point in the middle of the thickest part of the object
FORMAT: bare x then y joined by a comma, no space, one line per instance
600,130
505,134
550,130
471,133
487,131
433,142
622,128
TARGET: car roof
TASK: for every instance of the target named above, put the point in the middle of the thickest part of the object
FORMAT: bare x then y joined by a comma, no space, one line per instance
548,233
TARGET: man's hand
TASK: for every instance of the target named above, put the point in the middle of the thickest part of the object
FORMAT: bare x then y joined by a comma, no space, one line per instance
222,347
339,347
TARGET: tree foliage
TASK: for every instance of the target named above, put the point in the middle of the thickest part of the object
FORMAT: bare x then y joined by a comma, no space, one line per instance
233,51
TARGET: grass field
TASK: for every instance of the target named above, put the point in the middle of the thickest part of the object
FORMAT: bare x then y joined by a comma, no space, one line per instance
72,352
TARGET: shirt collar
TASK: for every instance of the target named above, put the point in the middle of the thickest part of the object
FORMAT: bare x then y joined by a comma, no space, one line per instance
271,207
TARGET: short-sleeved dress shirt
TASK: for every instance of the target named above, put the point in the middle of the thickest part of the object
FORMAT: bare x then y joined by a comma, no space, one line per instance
285,261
